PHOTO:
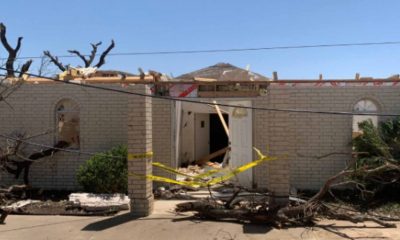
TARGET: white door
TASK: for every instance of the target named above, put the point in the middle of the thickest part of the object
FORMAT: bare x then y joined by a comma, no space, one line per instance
202,135
240,133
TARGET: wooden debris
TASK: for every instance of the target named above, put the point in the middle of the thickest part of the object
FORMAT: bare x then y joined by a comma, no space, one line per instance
210,156
260,207
221,118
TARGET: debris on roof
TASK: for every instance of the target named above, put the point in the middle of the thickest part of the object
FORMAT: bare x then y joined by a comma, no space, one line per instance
223,72
211,82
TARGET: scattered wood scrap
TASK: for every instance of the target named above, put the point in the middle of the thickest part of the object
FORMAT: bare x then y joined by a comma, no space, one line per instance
261,207
210,156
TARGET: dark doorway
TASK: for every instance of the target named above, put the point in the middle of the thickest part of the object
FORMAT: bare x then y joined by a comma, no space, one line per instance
218,138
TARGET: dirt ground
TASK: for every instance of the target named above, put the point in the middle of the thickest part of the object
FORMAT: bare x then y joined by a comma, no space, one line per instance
164,224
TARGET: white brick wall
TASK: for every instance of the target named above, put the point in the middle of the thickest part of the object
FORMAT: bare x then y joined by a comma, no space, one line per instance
305,137
163,146
298,136
103,124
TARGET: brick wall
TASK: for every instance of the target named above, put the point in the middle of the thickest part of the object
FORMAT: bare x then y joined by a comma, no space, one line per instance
140,139
303,139
103,124
163,145
317,146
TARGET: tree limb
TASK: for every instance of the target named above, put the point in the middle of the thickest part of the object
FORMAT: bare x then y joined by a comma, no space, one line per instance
25,68
104,54
76,52
12,52
55,60
93,53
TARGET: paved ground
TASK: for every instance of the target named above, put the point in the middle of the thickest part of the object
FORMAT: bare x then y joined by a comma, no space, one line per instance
165,225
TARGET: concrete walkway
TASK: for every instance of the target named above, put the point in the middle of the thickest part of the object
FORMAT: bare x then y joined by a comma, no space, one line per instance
165,225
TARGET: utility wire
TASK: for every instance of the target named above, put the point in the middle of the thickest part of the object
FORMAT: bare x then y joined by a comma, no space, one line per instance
291,110
360,44
55,148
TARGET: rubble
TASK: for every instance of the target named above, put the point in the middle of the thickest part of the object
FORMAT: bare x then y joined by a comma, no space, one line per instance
78,204
98,202
173,193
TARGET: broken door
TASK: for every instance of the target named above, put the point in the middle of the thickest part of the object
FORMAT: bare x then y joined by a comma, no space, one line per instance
240,134
202,135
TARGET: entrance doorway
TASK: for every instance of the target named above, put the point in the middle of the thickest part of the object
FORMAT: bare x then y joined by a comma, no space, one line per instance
218,137
210,135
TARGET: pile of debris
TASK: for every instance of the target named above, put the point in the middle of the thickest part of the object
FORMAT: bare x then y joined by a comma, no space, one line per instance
173,192
246,206
78,204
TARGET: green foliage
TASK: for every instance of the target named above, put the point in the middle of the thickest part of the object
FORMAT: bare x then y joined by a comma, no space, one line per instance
105,172
371,142
382,145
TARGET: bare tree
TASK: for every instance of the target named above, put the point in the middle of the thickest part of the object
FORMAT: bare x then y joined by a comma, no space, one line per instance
8,87
87,59
43,68
12,54
13,158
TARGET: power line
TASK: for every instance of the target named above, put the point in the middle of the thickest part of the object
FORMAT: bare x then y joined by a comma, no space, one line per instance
211,103
229,49
55,148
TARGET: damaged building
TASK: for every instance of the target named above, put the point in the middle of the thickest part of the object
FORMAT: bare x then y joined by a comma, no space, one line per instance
311,145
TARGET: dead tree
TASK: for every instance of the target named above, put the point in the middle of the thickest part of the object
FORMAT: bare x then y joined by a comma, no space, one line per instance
9,83
14,162
12,54
87,59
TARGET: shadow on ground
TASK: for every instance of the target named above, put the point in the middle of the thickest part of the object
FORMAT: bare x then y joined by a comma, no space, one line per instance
256,228
116,221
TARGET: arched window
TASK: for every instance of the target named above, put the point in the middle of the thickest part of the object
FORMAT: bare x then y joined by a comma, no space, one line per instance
67,122
364,106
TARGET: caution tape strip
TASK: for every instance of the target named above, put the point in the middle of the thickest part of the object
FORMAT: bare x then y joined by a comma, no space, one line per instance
177,172
169,169
197,182
167,180
238,170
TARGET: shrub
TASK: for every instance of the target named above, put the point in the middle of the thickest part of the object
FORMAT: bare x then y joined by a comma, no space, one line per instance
105,172
382,143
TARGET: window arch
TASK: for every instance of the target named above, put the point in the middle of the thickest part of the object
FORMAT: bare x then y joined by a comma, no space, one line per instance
67,122
364,106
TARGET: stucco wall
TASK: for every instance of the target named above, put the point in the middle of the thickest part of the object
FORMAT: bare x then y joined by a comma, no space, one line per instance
316,145
103,124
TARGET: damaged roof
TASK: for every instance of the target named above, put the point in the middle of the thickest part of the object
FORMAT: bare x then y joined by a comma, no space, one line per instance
223,72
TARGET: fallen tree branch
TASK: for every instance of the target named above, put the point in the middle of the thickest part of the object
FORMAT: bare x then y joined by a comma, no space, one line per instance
359,218
303,213
14,188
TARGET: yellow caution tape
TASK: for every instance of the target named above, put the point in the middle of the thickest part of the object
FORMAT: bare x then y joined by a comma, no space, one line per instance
169,169
133,156
177,172
238,170
198,181
167,180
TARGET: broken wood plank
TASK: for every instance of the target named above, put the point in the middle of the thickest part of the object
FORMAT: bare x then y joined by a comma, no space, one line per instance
221,118
201,79
212,155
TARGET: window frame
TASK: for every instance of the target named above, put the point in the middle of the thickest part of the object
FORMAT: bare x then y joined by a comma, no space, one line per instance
57,113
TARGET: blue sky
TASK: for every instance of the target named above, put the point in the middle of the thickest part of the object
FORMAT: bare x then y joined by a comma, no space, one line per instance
210,24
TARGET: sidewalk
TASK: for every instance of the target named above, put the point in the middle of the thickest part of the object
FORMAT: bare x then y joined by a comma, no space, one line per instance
165,225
